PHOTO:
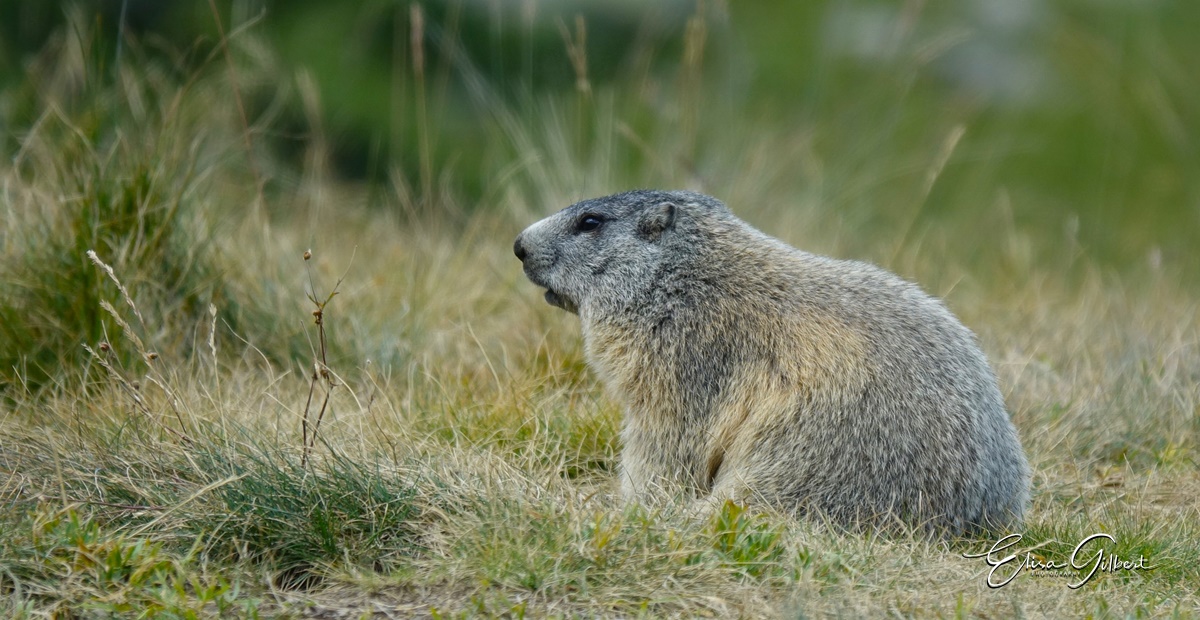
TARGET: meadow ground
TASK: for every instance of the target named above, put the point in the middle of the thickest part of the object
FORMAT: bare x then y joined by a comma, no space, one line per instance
437,447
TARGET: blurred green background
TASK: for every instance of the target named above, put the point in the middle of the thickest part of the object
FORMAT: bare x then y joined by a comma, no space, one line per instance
1079,118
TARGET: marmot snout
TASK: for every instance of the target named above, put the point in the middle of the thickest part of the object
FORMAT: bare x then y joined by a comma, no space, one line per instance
751,370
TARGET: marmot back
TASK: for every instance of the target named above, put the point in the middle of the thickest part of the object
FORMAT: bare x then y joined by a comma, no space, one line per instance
753,371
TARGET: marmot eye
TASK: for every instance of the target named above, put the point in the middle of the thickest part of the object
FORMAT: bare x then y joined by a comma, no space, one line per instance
588,223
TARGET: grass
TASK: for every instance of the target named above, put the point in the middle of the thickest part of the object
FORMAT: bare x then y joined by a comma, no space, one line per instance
464,461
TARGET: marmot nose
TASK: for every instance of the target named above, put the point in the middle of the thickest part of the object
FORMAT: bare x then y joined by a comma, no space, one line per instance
519,249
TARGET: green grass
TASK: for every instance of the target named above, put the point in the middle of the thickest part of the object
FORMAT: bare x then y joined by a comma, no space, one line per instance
465,462
58,561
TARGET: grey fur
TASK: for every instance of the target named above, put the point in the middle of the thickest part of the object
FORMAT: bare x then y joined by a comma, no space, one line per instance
751,370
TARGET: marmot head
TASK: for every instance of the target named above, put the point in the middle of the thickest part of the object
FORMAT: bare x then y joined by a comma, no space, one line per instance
609,249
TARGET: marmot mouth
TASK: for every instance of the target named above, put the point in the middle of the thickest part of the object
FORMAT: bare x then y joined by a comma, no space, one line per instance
554,299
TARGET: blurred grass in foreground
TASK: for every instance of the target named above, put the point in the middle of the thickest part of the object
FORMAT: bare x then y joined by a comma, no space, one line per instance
465,463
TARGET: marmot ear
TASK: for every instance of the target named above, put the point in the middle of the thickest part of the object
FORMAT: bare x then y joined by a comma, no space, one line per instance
656,220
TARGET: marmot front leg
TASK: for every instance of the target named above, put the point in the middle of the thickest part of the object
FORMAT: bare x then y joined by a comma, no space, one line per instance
731,485
644,479
653,470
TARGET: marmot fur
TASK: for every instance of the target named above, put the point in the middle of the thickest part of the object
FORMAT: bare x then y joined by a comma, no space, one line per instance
750,370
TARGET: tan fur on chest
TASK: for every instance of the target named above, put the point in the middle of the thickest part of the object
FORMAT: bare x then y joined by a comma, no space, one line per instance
634,375
802,358
819,360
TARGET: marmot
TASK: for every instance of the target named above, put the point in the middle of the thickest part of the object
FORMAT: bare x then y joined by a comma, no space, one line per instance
750,370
